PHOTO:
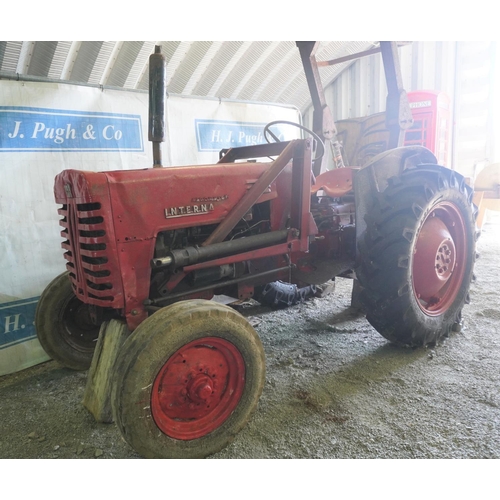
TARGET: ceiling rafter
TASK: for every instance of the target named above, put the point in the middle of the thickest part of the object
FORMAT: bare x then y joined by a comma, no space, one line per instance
177,60
202,67
213,92
262,88
140,66
253,69
24,60
100,62
70,60
111,62
267,71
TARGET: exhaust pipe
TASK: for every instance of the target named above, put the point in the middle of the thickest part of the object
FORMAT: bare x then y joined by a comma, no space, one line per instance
157,98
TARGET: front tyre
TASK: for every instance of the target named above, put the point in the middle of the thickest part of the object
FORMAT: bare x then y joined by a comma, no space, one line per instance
187,380
417,255
64,325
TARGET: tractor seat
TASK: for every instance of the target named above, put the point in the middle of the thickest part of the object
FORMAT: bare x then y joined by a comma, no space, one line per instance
335,183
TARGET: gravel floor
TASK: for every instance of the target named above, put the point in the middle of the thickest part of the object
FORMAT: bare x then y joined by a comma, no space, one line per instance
335,389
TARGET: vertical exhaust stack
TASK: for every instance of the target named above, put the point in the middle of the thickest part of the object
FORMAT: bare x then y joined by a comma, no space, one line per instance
157,98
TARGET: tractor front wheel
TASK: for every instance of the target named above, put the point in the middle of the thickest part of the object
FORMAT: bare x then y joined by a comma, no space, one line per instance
187,380
64,325
417,255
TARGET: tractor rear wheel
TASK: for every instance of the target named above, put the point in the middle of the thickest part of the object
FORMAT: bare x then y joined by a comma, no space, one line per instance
187,380
64,326
417,256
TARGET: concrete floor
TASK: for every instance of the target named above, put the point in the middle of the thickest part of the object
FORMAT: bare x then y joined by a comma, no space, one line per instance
334,389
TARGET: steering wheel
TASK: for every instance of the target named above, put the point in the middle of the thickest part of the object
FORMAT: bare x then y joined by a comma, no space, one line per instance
320,146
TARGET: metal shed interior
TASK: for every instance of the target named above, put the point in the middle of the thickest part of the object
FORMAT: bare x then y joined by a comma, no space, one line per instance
271,71
267,71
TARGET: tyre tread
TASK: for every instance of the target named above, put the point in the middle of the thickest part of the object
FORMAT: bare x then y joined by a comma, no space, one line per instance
385,251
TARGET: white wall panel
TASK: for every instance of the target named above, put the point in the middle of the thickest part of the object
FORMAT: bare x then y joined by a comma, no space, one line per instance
474,107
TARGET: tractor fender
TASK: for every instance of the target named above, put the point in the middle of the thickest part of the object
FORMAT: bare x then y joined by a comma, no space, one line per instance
372,178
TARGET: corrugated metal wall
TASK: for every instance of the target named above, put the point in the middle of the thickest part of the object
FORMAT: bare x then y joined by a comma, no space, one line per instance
462,69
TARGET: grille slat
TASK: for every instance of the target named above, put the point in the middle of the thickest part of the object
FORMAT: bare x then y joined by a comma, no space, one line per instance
92,241
91,228
93,253
87,257
100,293
104,280
94,267
89,213
99,286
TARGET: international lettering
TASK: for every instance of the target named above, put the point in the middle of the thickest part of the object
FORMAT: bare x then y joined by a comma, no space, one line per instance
188,210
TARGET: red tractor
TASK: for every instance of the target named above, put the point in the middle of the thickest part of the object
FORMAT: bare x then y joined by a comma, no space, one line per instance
151,247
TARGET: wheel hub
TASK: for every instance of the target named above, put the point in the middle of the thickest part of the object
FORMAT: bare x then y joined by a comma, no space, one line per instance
198,388
434,258
79,331
439,259
445,259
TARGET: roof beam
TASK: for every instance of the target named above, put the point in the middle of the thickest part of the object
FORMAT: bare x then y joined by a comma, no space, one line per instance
227,70
111,62
177,59
202,67
284,62
140,66
70,60
255,67
23,63
358,55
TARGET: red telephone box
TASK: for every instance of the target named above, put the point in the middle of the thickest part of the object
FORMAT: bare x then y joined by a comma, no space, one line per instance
432,123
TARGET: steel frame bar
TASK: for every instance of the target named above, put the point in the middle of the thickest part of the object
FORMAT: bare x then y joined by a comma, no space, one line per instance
357,55
252,195
398,115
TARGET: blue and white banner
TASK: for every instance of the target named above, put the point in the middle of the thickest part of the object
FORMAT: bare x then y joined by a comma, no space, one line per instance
19,346
214,135
199,128
17,320
37,129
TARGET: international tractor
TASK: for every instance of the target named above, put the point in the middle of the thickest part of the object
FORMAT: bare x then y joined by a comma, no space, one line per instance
151,247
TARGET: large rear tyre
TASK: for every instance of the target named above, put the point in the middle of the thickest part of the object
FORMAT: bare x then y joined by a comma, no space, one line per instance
417,255
64,326
187,380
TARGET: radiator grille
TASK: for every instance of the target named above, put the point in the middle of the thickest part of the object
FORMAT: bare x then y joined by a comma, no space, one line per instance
85,244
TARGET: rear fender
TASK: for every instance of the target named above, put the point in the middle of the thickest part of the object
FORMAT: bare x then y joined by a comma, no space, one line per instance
372,178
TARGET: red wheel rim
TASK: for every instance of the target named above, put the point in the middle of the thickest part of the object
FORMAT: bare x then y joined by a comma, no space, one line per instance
198,388
439,259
